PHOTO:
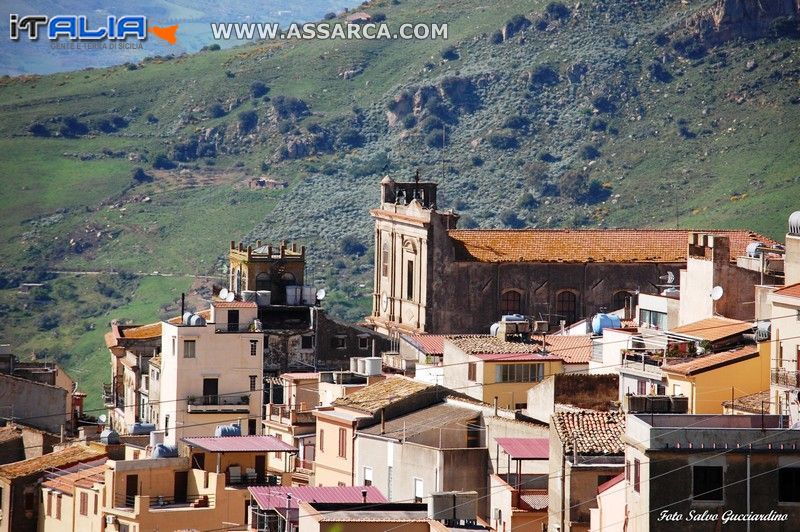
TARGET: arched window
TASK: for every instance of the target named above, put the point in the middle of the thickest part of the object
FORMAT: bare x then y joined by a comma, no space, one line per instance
511,302
263,281
567,306
620,300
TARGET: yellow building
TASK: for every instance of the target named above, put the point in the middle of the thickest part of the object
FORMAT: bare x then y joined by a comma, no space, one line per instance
73,499
708,381
488,368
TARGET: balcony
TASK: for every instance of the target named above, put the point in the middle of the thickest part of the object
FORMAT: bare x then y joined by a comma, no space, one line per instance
783,377
236,327
205,404
643,363
162,502
285,415
305,466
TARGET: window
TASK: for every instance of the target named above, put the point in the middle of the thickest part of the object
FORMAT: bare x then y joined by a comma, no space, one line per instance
253,382
253,348
363,342
95,503
418,493
676,389
368,476
188,349
641,387
49,504
620,300
342,443
58,506
707,483
519,372
511,302
567,306
307,342
651,318
789,484
637,472
174,346
339,342
628,470
410,279
28,500
385,260
84,508
472,371
321,440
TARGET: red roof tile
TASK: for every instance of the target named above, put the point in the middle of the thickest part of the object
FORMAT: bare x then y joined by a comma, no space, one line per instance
239,444
298,376
270,497
533,500
709,362
591,432
792,290
430,344
572,349
525,448
234,304
515,357
609,483
586,245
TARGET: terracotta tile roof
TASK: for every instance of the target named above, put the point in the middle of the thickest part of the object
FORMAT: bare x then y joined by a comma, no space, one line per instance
533,500
792,290
423,420
752,403
85,477
153,330
63,458
239,444
10,433
609,483
234,304
271,497
525,448
714,361
714,329
430,344
585,245
372,398
591,432
491,348
572,349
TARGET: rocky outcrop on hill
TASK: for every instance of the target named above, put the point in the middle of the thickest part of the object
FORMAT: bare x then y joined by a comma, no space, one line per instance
749,19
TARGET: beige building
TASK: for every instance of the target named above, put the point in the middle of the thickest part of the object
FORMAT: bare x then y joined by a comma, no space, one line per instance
785,359
72,499
211,373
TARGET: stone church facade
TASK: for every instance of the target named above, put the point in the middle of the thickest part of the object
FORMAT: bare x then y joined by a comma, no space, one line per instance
432,277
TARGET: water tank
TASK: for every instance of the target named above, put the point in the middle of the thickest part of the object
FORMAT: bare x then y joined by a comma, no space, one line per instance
309,295
197,320
263,298
494,328
249,295
794,223
371,366
294,295
753,249
109,437
513,317
605,321
162,450
354,364
186,317
228,430
141,428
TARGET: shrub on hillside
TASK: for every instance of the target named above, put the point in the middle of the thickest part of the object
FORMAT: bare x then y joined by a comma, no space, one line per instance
659,72
258,89
37,129
48,321
689,47
572,184
140,176
216,110
603,104
329,15
378,17
516,122
784,27
501,141
598,124
409,121
213,47
589,152
72,127
557,10
289,106
434,139
162,162
450,53
544,75
510,219
527,201
351,245
248,120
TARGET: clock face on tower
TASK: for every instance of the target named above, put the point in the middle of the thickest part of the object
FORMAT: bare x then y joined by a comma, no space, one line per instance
384,302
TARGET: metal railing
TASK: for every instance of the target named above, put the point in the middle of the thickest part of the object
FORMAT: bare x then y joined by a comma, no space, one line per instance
236,327
785,377
219,399
307,465
194,501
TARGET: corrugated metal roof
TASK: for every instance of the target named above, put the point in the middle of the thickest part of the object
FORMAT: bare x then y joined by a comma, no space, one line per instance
586,245
272,497
525,448
714,329
239,444
572,349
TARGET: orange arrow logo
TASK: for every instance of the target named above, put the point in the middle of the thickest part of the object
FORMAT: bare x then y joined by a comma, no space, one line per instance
167,33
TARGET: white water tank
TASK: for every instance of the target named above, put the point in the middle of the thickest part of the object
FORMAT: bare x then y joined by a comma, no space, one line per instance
263,298
370,366
249,295
794,223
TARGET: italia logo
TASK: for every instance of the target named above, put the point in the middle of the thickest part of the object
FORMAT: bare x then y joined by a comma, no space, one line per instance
78,28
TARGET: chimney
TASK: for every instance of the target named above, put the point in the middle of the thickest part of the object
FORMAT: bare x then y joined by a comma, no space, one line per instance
364,496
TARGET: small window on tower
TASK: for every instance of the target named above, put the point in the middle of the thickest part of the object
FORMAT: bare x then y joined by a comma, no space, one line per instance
385,260
410,280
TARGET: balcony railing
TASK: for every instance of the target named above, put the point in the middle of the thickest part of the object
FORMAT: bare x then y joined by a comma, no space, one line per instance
158,502
287,415
303,465
784,377
236,327
218,403
642,362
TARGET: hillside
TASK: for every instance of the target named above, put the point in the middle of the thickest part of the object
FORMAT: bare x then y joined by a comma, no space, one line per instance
609,114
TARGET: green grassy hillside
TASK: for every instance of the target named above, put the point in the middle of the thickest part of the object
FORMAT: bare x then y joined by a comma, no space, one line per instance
606,115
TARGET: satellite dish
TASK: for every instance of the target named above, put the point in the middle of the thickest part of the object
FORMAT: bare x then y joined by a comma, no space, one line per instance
102,418
223,294
230,297
716,293
321,294
670,277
